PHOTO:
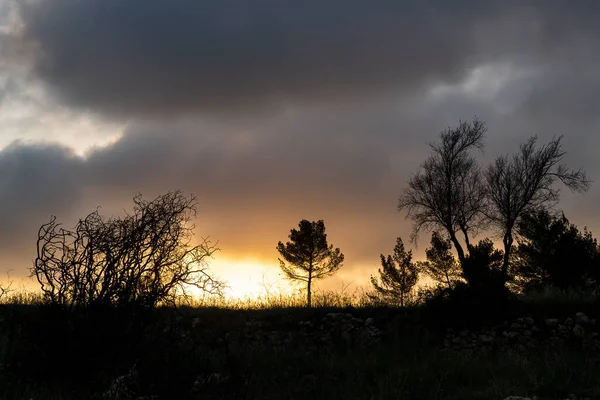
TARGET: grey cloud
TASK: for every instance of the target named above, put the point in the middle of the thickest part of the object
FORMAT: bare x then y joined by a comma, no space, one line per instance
149,58
35,181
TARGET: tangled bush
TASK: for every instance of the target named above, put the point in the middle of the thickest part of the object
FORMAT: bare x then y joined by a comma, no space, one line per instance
144,258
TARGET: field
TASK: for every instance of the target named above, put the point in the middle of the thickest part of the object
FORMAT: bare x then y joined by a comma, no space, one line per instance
272,348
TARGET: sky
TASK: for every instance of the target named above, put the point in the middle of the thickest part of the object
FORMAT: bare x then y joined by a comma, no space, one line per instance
273,111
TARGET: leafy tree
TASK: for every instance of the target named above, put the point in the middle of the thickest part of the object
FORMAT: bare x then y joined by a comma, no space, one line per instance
482,268
524,183
441,266
144,258
398,276
551,251
307,256
448,192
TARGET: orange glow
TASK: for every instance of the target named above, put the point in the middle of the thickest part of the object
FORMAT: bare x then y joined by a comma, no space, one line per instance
250,278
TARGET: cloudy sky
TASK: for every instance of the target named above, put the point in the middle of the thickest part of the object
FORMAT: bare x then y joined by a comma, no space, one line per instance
272,111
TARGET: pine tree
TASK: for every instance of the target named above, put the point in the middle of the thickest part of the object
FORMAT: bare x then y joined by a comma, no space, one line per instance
398,275
441,266
307,255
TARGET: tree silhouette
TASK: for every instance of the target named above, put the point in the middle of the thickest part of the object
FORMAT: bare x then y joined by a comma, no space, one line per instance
307,255
145,258
525,182
441,266
398,276
552,251
448,192
482,268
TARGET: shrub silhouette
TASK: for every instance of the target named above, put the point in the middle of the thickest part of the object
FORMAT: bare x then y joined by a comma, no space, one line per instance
145,258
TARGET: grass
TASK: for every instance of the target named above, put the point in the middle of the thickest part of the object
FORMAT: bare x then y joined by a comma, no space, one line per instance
235,349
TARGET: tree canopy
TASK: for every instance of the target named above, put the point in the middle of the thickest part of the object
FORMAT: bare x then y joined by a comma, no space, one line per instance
553,252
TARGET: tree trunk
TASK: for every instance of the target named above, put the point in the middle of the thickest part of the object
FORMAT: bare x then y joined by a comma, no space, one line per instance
508,242
308,294
458,247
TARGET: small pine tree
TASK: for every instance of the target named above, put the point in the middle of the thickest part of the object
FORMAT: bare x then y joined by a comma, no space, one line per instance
398,275
441,266
308,256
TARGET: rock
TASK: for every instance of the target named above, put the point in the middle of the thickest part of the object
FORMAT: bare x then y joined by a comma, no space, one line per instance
569,322
581,319
486,339
527,332
516,326
578,331
465,333
369,321
552,323
528,321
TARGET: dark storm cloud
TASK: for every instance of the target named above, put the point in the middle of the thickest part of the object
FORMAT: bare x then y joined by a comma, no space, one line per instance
280,160
144,57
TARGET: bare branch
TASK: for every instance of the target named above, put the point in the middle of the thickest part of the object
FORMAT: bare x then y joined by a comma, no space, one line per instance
144,258
448,192
525,182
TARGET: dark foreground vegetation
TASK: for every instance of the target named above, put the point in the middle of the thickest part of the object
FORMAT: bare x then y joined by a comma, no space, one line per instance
341,351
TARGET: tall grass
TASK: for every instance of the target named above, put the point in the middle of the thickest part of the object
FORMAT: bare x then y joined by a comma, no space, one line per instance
269,300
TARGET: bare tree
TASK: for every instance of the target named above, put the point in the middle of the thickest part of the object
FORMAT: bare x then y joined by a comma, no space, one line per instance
145,258
307,255
398,276
448,192
525,182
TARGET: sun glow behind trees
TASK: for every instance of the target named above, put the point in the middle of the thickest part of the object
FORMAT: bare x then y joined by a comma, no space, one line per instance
250,278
